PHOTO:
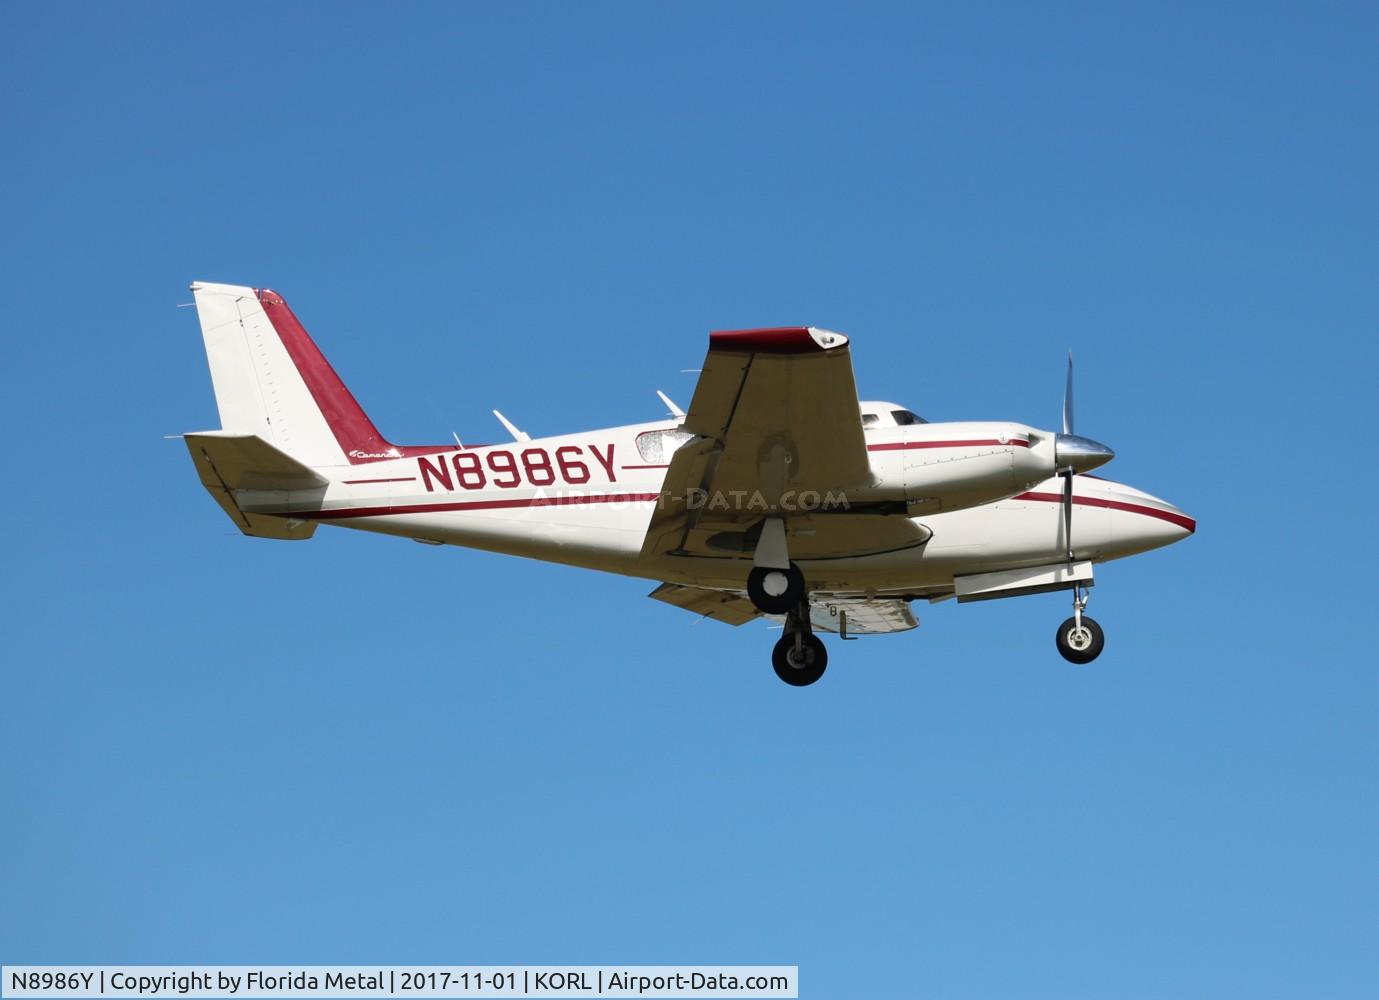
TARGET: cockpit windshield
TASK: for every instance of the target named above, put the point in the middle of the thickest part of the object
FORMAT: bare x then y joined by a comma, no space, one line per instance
876,415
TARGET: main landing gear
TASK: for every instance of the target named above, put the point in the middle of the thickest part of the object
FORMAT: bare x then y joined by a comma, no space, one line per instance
800,656
776,586
1080,638
776,591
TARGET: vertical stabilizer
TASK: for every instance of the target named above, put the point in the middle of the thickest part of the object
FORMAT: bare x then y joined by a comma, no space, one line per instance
272,381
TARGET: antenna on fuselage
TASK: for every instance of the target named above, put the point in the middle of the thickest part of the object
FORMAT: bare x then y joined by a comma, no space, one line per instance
517,435
458,442
675,411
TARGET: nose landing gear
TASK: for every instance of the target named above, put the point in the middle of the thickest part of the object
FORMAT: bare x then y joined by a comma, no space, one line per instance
1080,639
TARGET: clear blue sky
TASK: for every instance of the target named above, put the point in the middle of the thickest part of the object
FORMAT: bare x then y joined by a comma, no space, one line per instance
219,749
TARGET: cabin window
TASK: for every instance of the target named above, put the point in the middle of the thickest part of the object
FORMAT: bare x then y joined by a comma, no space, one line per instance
904,418
868,419
656,447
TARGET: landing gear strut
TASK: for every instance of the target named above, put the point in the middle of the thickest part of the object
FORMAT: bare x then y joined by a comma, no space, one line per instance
800,657
1080,638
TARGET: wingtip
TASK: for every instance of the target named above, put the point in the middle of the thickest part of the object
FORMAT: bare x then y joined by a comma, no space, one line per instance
777,340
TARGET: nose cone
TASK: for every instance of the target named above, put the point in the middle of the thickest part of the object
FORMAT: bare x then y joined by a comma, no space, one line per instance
1079,453
1155,527
1138,521
1171,523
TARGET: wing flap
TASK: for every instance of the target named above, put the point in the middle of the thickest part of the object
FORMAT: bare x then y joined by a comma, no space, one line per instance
855,615
732,609
862,615
813,536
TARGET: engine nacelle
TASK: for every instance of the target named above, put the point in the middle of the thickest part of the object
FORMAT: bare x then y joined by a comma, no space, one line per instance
931,468
979,464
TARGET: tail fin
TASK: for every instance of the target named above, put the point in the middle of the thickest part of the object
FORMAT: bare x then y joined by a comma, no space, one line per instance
271,381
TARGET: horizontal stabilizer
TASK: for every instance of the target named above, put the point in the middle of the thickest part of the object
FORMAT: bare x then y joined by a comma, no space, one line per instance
248,462
229,462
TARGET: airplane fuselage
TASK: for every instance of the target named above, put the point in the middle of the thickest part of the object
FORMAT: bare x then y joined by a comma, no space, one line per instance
586,500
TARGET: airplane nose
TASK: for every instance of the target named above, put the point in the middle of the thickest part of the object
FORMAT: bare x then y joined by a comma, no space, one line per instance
1184,522
1079,453
1146,522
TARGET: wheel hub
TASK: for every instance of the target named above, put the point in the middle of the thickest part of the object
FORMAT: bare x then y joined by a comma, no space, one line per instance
775,583
1079,637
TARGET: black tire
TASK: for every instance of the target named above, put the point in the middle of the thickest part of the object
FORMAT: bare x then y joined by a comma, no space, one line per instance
760,583
1080,648
790,670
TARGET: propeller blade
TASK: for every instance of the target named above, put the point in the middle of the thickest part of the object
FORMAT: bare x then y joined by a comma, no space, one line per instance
1070,452
1068,398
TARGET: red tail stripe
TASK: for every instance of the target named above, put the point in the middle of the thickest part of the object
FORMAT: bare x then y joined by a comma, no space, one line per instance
358,438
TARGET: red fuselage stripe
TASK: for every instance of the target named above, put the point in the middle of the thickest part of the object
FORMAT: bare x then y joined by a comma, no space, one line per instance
433,508
397,479
984,443
1181,520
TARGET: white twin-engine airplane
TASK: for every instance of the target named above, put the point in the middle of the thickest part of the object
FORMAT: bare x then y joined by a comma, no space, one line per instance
778,494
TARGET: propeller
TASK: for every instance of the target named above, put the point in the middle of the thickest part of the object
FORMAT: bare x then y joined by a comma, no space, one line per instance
1068,513
1068,398
1067,472
1073,454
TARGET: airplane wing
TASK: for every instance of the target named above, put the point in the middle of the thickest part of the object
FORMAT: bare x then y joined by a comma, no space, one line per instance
856,615
775,416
